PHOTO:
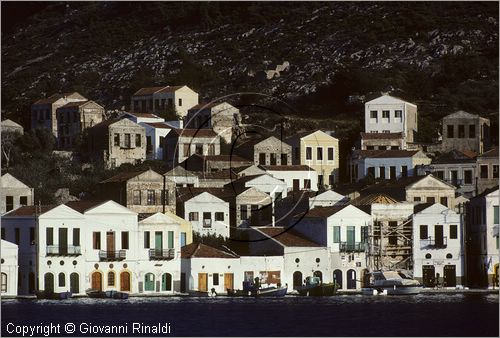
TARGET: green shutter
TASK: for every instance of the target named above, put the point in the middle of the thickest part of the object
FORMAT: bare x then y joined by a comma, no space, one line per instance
336,234
170,239
351,238
495,214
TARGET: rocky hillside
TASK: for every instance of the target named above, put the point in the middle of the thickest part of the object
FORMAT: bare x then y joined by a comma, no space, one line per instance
323,59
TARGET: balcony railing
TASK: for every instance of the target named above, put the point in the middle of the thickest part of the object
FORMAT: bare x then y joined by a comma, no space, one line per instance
68,250
161,254
431,242
352,247
118,255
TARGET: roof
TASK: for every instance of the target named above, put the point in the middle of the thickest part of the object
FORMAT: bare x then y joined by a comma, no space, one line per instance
421,206
461,114
295,167
159,125
373,198
123,176
82,206
490,153
385,153
215,175
321,212
74,104
30,210
388,99
185,194
53,98
144,115
202,106
381,136
179,171
107,123
200,250
223,158
152,90
194,132
286,237
456,156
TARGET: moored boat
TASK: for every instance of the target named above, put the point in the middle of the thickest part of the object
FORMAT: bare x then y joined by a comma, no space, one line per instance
255,290
113,294
391,282
44,294
314,287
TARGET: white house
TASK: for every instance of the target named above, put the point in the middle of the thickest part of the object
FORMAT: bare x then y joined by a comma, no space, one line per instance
155,138
296,177
387,114
268,184
9,268
208,214
327,198
14,193
160,99
143,117
344,231
438,252
182,177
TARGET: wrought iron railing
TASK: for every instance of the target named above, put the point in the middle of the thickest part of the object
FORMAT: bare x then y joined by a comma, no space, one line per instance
117,255
432,242
63,250
161,254
352,247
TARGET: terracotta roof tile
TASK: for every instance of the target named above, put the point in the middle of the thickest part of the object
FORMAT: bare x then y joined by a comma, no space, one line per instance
82,206
295,167
199,250
74,104
286,237
124,176
381,136
147,91
490,153
194,132
160,125
31,210
202,106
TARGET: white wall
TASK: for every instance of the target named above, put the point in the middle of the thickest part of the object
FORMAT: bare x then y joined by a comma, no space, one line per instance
207,203
288,176
9,268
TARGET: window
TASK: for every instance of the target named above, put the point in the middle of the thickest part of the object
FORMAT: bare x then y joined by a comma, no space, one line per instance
198,149
444,201
272,159
262,158
449,131
472,131
76,237
49,234
468,176
309,151
187,150
439,174
3,233
151,197
319,154
32,236
381,172
193,216
484,171
495,171
170,239
23,200
96,240
461,131
9,204
307,184
398,114
207,219
4,282
116,139
404,171
385,114
170,102
125,240
111,278
373,114
127,141
215,279
244,212
136,197
371,171
18,235
431,200
320,180
416,199
211,149
423,232
162,141
453,231
219,216
137,140
392,172
164,197
330,154
147,239
336,234
183,239
331,179
296,184
495,214
364,234
386,132
62,279
180,102
284,159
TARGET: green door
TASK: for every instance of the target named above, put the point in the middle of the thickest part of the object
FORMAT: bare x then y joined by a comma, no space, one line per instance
149,282
158,243
350,238
166,282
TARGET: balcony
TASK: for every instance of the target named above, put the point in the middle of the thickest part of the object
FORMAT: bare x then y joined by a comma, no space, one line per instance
352,247
118,255
433,243
67,250
161,254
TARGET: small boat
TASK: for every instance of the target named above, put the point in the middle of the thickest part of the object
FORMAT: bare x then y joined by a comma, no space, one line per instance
196,293
45,294
113,294
254,290
314,287
391,282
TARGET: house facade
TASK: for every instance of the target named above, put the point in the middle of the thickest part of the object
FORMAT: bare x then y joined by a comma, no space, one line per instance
155,138
430,189
438,250
487,170
209,163
14,193
161,99
117,141
464,131
9,126
387,114
222,117
43,111
296,177
208,214
182,177
319,151
272,151
383,141
9,269
327,198
182,143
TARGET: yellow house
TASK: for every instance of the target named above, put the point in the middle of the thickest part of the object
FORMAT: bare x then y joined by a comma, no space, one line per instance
319,151
186,230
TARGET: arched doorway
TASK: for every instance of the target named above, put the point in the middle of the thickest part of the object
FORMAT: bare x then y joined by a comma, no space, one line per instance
48,282
297,279
351,279
74,283
166,282
62,279
124,281
97,281
319,274
337,277
149,282
428,275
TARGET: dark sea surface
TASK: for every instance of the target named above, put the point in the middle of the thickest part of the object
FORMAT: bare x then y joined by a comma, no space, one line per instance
349,315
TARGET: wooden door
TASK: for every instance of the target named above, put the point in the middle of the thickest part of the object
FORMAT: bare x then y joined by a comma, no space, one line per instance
97,281
166,282
450,276
428,275
296,185
228,281
438,233
124,281
49,282
74,283
297,279
63,241
202,282
110,243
